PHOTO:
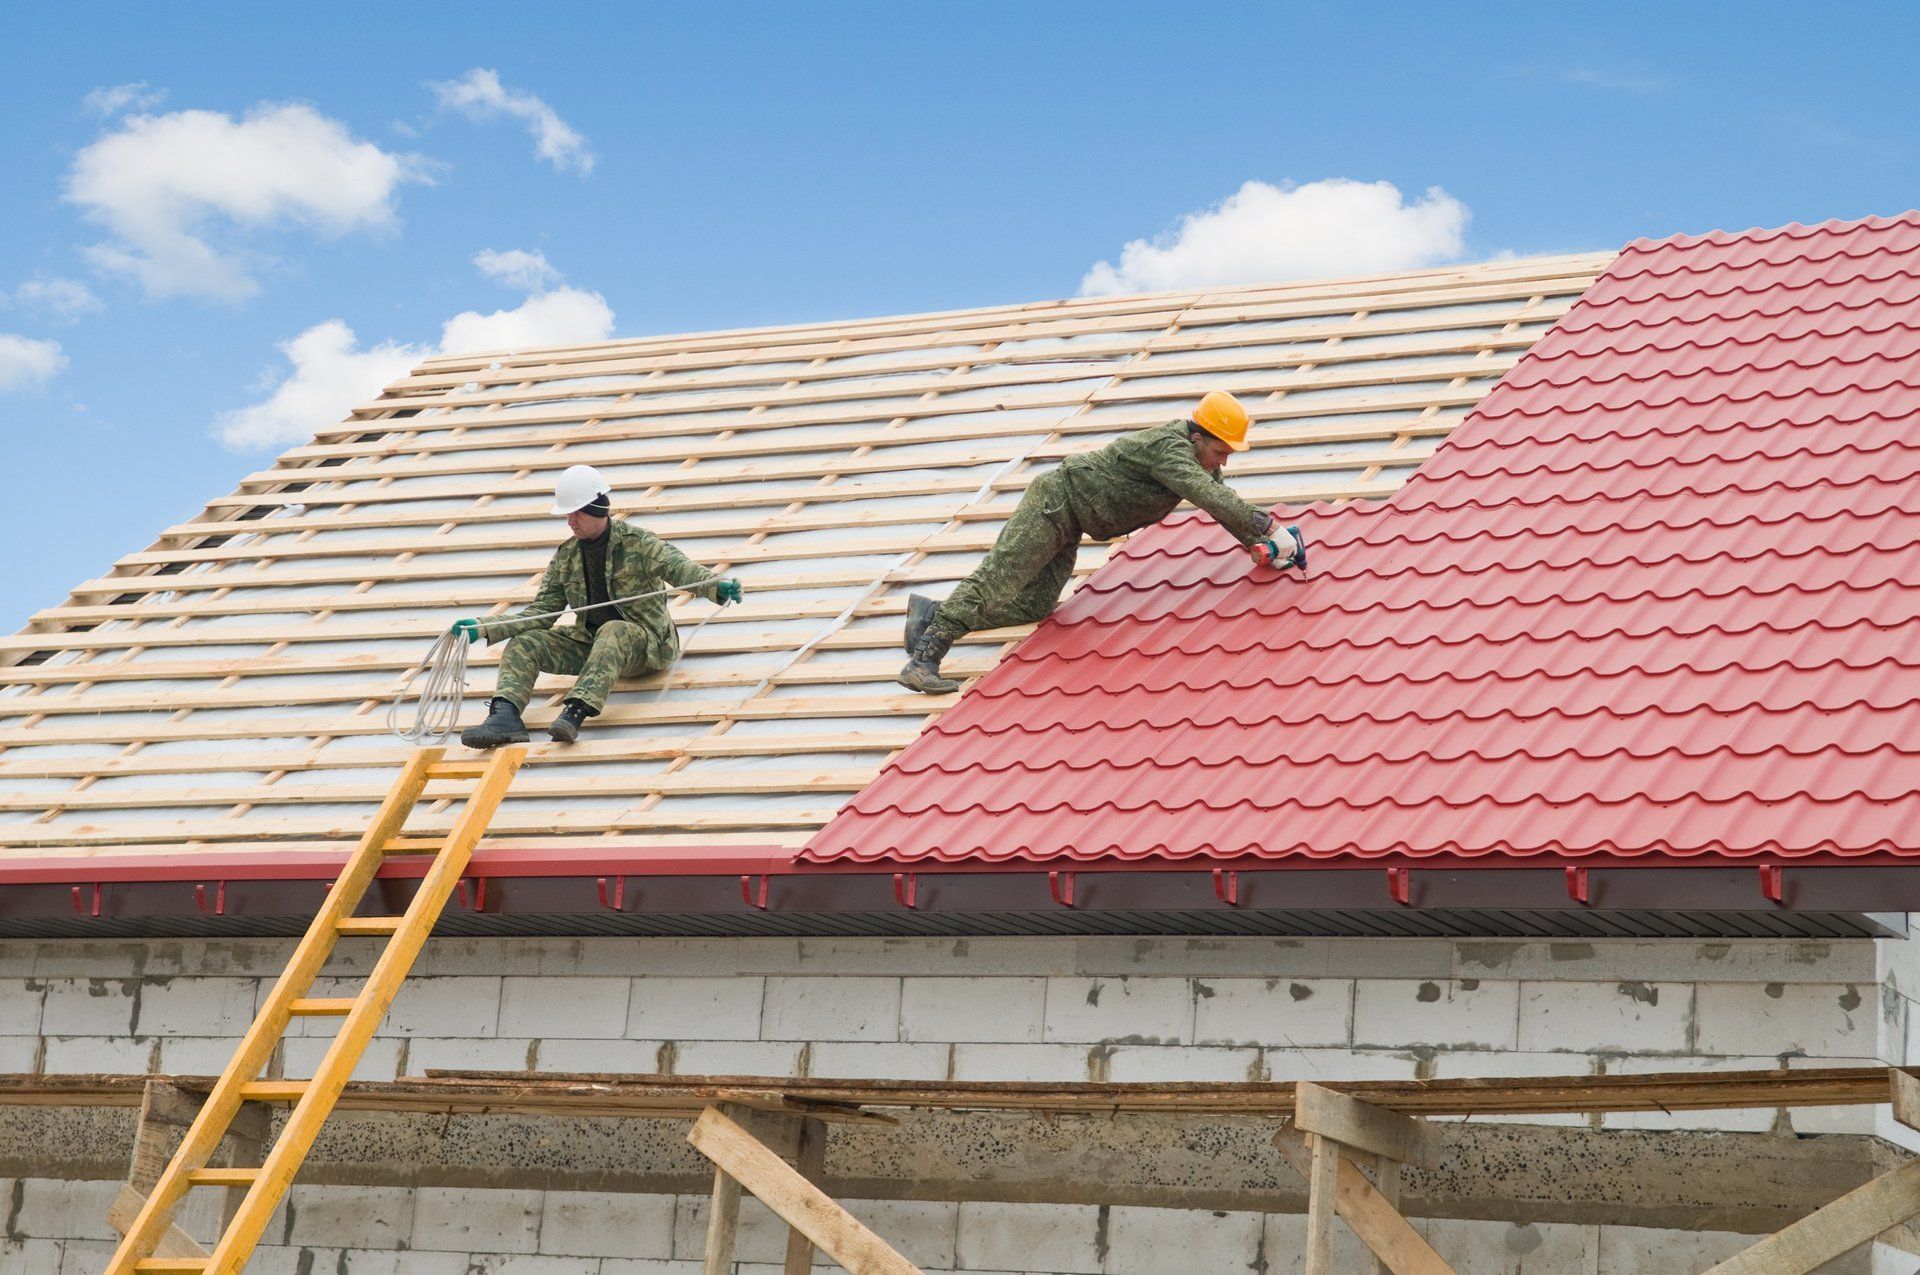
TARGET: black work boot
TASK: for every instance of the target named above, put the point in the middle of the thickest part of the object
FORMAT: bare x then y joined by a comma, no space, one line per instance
503,726
920,609
922,672
566,727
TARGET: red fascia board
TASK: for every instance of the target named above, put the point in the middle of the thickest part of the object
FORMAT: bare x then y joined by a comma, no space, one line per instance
506,862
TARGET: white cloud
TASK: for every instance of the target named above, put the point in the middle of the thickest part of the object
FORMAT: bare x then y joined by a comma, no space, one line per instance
28,364
63,300
162,184
1614,81
565,316
331,375
123,97
479,95
517,268
1263,233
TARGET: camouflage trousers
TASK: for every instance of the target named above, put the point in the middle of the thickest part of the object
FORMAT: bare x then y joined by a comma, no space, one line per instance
1023,575
618,650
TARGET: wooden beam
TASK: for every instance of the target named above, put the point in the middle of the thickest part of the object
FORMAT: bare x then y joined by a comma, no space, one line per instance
1323,1190
810,1161
1904,1091
1826,1233
173,1242
1317,1109
802,1205
723,1223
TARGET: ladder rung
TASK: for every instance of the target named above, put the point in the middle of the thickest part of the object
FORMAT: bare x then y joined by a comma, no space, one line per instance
370,925
322,1006
173,1265
274,1090
456,770
414,845
222,1177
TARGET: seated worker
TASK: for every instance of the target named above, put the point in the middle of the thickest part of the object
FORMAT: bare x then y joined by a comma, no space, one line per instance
605,560
1132,482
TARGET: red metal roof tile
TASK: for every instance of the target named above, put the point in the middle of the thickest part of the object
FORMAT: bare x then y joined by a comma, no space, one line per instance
1658,599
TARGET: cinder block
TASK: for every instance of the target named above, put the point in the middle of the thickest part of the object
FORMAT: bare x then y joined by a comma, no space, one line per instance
993,1010
831,1009
381,1061
843,1060
1174,1063
654,1266
695,1008
762,1236
736,1058
1295,1012
367,1217
1488,1064
583,1224
460,1007
1021,1062
1634,1250
1626,1017
20,1000
1856,1119
17,1053
936,957
84,1257
430,1053
1250,957
1667,960
1285,1246
923,1231
70,1055
1143,1241
1120,1011
89,1006
1436,1013
1339,1064
197,1055
1028,1237
193,1006
577,1008
610,1057
700,958
59,1209
452,1220
1811,1019
522,1264
1508,1248
33,1257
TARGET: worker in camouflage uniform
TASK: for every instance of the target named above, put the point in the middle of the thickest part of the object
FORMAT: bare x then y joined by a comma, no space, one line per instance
1130,483
606,559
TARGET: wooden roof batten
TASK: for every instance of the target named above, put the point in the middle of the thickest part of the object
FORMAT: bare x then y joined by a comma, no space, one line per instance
226,686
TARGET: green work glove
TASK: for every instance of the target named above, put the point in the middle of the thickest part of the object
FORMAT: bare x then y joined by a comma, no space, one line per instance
726,591
469,628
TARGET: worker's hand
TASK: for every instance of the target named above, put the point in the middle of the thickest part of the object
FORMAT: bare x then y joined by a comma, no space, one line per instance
726,591
469,628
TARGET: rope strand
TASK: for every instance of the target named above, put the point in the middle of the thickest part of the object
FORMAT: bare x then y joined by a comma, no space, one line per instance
445,690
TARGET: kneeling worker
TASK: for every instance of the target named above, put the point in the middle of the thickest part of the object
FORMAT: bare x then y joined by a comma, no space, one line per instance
607,559
1132,482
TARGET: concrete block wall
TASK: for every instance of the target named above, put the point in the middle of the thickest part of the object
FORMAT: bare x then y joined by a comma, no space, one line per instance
56,1228
974,1009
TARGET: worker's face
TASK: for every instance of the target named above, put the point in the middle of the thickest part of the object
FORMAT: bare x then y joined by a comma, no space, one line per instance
1210,451
584,525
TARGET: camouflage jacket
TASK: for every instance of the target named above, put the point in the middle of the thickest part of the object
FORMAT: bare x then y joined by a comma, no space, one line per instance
637,562
1135,481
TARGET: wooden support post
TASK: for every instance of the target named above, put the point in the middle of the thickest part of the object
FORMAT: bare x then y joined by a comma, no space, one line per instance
1323,1188
1388,1235
1363,1126
723,1223
1905,1091
810,1159
173,1242
1826,1233
799,1203
1386,1180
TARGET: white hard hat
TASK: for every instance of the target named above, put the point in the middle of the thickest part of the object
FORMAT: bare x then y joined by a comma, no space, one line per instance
578,487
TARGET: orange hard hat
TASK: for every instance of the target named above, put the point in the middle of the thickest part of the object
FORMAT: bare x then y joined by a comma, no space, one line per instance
1221,415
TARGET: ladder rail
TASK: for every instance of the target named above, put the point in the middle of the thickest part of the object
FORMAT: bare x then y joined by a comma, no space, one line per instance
313,1100
356,1031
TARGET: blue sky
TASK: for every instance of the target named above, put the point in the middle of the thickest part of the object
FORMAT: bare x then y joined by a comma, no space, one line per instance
738,165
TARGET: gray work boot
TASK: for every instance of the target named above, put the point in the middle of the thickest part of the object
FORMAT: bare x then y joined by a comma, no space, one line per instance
503,726
566,726
922,672
920,609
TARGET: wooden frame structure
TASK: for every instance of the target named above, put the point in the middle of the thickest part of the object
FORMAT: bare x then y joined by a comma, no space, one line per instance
1345,1139
222,689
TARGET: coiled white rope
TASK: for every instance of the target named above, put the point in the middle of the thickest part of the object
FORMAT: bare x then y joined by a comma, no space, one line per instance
444,693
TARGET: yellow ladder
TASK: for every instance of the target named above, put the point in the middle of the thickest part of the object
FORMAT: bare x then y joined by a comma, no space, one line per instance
313,1099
